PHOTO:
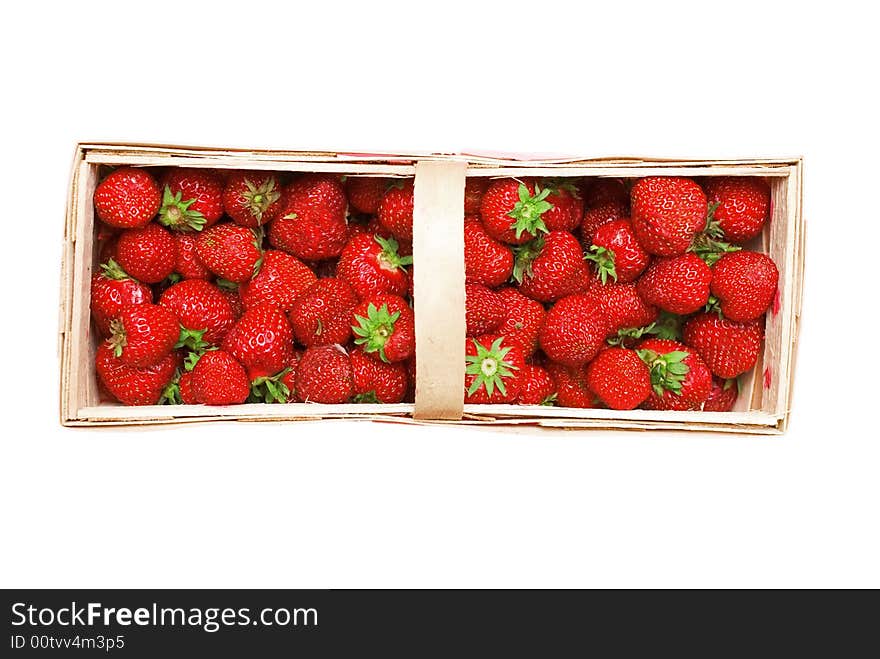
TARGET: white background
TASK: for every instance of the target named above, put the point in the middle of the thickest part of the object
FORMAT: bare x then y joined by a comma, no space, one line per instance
343,504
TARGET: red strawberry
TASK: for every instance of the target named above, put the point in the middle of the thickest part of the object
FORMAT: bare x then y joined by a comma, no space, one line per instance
550,267
192,200
622,306
262,340
281,279
729,348
218,378
111,291
288,379
599,191
130,385
492,374
619,378
616,252
128,198
312,226
253,199
567,210
523,319
229,251
574,330
679,378
377,382
595,217
322,314
484,310
678,284
571,386
474,189
187,264
203,311
744,284
722,397
143,334
742,205
372,266
512,210
667,212
324,375
230,292
148,254
385,326
185,389
486,261
396,209
365,192
535,386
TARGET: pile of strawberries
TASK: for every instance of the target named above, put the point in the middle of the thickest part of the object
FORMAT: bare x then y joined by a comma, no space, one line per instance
223,287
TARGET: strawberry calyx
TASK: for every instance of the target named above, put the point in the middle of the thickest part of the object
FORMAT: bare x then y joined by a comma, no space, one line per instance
175,213
366,397
709,244
667,326
112,270
713,305
117,339
388,258
489,367
603,258
192,340
667,370
374,331
171,393
528,210
270,388
259,198
225,284
523,257
550,401
557,185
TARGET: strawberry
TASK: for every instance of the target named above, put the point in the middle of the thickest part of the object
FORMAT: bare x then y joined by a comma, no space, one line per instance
667,212
377,382
185,389
230,292
677,284
722,397
322,314
486,261
130,385
372,266
312,226
550,267
512,210
192,200
229,251
365,193
218,378
574,330
616,253
535,386
523,319
571,386
493,370
680,379
324,375
143,334
128,198
474,189
599,191
744,284
111,291
567,210
622,306
202,310
595,217
484,309
262,340
385,326
253,199
741,205
396,209
281,279
187,264
619,378
148,254
729,348
287,381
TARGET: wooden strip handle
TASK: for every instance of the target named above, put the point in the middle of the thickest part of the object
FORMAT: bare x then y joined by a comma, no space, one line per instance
438,287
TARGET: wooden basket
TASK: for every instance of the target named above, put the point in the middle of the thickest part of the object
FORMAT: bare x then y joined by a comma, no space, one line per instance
764,403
